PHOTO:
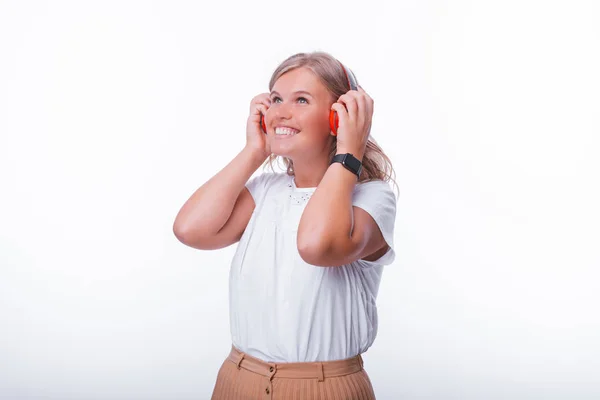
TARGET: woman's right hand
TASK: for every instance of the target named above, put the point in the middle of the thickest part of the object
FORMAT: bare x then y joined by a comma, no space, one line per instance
256,138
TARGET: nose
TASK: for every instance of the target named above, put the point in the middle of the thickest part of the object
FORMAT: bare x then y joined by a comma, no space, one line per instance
282,111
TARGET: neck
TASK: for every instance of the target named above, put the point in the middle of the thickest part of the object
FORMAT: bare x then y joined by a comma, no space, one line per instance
308,172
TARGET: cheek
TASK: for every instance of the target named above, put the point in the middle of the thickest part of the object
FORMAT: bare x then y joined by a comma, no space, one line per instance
317,120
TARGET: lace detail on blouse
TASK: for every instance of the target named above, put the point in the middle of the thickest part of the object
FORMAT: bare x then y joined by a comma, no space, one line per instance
299,198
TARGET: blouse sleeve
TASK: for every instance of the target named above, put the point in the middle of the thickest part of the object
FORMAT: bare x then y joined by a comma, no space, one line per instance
378,199
257,186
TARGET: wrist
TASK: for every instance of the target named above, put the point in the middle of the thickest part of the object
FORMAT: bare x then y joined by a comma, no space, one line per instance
349,162
254,155
356,152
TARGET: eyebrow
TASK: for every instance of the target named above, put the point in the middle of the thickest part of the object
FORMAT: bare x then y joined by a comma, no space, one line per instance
296,92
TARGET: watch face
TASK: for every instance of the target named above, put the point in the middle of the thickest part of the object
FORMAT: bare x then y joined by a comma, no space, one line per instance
352,162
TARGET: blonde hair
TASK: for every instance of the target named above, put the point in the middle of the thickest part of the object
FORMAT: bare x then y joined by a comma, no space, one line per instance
376,165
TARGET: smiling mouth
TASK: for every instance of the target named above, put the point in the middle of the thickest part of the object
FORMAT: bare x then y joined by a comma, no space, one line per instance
285,132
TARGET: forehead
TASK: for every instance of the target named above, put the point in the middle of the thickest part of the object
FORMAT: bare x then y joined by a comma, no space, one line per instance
300,79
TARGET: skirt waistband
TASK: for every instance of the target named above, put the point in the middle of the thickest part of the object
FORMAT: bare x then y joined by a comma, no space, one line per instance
318,370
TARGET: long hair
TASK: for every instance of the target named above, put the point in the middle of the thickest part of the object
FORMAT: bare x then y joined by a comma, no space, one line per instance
376,164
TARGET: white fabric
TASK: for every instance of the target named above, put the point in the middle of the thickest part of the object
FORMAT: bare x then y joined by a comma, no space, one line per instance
283,309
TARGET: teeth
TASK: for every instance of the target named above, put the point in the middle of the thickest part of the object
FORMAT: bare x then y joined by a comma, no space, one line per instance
285,131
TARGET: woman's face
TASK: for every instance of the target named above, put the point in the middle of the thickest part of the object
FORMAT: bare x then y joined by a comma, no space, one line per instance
298,118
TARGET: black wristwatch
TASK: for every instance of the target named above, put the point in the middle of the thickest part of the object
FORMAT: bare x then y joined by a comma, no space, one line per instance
349,162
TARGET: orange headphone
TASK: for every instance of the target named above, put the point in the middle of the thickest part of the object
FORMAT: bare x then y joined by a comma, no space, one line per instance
333,117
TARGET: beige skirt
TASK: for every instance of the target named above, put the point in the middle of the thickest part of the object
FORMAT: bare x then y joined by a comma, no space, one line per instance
243,377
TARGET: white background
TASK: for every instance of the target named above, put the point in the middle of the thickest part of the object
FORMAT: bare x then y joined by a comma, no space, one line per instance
113,113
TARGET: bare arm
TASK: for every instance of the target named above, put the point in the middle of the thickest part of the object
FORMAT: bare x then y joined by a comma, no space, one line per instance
332,231
217,214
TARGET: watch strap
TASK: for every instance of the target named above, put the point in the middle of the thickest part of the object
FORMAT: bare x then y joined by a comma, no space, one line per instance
349,162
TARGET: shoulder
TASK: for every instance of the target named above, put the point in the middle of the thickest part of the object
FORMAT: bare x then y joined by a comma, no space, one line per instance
373,185
260,184
375,193
269,178
378,200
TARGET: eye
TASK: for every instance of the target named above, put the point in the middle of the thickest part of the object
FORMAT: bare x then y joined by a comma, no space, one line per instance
300,99
276,99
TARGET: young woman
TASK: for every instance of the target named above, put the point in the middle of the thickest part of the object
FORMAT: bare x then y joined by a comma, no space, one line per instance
312,241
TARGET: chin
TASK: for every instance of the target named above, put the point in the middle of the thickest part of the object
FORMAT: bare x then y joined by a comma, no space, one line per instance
297,147
287,154
283,150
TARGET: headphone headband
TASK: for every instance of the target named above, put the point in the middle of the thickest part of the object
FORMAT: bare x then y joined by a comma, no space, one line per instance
352,82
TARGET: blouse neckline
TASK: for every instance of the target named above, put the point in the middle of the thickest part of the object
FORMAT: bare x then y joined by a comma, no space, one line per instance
297,189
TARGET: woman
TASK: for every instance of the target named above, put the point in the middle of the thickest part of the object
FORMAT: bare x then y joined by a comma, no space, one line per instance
312,241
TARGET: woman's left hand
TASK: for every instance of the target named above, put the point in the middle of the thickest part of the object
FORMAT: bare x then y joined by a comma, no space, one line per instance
355,113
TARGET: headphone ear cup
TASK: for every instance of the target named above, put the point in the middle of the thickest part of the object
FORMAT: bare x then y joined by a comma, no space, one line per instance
264,125
333,122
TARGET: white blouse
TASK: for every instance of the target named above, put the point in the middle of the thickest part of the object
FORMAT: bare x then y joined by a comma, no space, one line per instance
283,309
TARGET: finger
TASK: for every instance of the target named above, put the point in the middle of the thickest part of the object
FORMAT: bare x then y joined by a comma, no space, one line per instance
260,109
350,102
266,98
365,104
363,108
261,98
266,102
361,114
368,98
342,113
